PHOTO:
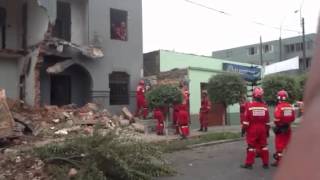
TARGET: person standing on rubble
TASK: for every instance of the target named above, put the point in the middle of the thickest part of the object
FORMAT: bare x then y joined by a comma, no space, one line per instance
140,98
183,121
204,111
158,115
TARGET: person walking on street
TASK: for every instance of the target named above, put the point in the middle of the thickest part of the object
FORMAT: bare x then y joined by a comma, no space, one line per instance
256,124
284,115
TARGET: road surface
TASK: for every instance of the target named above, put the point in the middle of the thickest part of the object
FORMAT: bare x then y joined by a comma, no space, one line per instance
218,162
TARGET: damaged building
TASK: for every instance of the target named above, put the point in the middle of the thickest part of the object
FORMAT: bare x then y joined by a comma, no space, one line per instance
58,52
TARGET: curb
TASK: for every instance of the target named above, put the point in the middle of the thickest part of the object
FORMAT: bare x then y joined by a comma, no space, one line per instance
214,143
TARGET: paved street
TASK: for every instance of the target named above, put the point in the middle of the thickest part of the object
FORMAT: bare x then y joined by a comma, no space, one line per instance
219,162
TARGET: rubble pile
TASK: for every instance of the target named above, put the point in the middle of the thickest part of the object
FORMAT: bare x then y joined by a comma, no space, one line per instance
21,167
49,122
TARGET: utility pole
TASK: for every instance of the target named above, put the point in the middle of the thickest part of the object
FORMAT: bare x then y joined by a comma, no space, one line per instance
304,59
280,49
261,58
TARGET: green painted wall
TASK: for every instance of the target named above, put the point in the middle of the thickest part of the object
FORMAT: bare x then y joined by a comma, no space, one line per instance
201,68
196,78
170,60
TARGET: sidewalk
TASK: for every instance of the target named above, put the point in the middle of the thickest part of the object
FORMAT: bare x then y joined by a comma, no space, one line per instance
152,137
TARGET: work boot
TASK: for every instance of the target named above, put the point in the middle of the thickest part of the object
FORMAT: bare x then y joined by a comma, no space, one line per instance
265,166
200,129
205,129
246,166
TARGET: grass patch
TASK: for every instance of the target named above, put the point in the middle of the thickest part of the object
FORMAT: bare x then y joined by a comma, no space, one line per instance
112,157
177,145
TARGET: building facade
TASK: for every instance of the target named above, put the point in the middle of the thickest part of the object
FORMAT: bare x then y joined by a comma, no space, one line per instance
57,52
198,70
272,51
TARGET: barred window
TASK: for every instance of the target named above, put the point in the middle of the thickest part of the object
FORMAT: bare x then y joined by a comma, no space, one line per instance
119,88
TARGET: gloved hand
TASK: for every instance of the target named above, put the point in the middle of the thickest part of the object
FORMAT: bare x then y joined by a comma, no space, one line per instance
243,131
268,130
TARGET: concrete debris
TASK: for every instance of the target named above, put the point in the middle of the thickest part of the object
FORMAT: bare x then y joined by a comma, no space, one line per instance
59,45
61,132
56,120
60,66
25,124
72,172
6,119
127,114
138,127
66,131
124,122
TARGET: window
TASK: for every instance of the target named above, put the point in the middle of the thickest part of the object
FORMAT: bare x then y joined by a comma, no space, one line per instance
299,46
118,27
267,48
252,51
62,27
290,48
2,28
229,53
119,88
310,44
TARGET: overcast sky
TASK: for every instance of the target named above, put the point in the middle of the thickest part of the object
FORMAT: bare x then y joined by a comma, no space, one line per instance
185,27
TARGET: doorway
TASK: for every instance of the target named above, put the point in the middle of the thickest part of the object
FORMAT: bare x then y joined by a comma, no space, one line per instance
217,111
60,90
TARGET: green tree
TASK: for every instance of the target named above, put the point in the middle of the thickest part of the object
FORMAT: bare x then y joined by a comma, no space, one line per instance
273,83
226,89
301,81
164,96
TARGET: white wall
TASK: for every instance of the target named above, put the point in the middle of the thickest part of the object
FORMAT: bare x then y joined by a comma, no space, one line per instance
30,80
37,23
79,25
14,23
9,77
124,56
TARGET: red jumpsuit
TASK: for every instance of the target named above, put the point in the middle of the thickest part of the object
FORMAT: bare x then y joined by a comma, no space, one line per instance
183,121
158,115
284,116
204,111
185,101
256,123
140,99
175,117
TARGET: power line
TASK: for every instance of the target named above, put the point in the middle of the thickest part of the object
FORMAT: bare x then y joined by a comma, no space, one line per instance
231,15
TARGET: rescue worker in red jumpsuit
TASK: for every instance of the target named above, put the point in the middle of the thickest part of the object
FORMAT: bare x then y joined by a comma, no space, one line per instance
256,124
175,117
243,106
145,105
141,102
204,111
158,115
183,121
284,115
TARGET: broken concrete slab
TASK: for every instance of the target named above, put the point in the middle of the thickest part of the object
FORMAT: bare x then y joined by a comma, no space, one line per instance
66,131
138,127
124,122
60,66
32,126
127,113
6,119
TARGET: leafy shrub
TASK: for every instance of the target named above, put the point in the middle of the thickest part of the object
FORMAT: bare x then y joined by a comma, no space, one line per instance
227,88
164,96
274,83
98,157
